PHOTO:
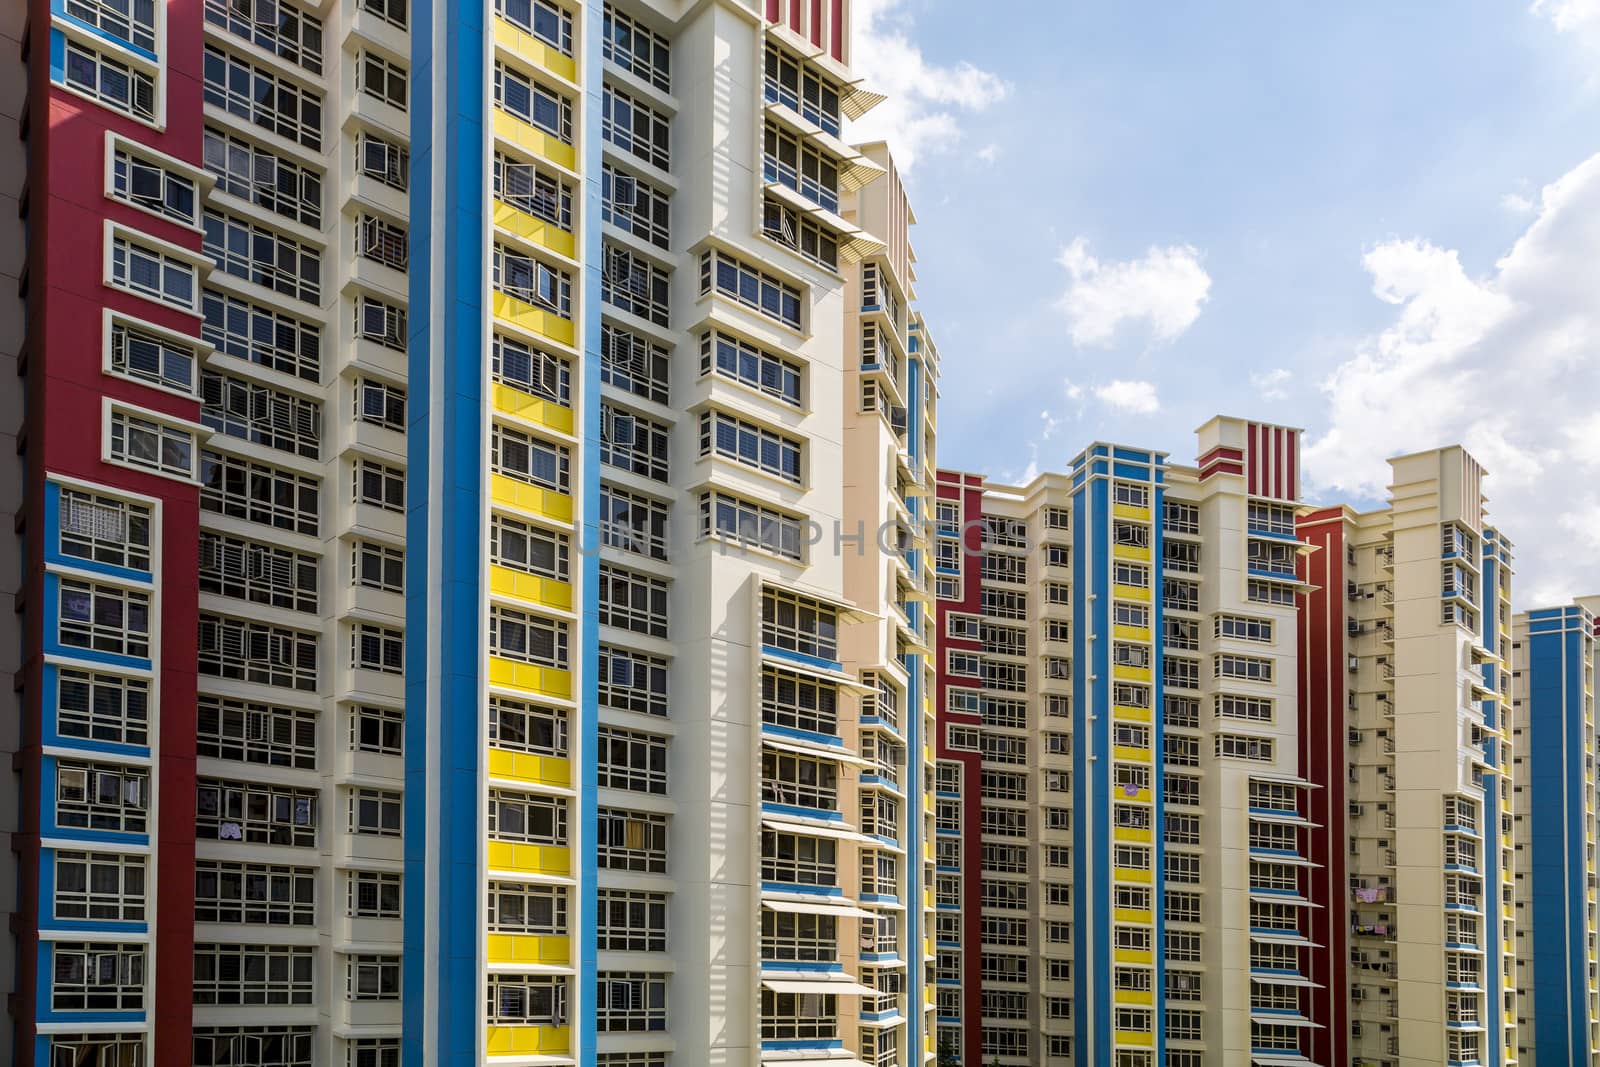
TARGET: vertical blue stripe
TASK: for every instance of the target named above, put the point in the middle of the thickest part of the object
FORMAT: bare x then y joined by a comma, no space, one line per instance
589,537
446,430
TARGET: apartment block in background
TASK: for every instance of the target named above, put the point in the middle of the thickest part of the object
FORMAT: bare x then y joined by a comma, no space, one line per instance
1553,734
1120,665
1414,602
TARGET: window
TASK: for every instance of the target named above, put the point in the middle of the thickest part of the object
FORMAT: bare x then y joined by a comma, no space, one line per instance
371,977
635,49
797,163
528,189
152,273
102,707
637,922
97,1050
800,233
256,733
263,178
1181,556
99,886
793,859
529,459
532,282
1133,575
373,895
633,443
386,161
261,336
790,82
1259,592
381,79
750,445
375,1051
1244,709
527,638
633,760
527,1000
798,1016
134,23
377,566
521,546
632,681
377,648
152,358
633,284
267,1046
516,94
632,841
1244,628
381,241
380,730
379,485
750,524
104,529
103,618
532,371
280,28
635,128
261,415
150,186
1232,746
1249,668
113,84
799,703
635,206
253,974
633,601
633,364
525,908
750,287
257,573
97,977
259,255
540,18
254,894
633,523
527,817
255,814
799,624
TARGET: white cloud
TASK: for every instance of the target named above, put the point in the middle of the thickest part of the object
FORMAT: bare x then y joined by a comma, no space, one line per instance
1136,398
1507,365
1166,288
1270,384
927,101
989,153
1568,15
1516,204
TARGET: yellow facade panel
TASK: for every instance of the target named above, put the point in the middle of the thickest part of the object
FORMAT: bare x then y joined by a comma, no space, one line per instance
530,859
528,1041
554,950
1128,714
535,320
1132,955
1131,512
530,768
510,493
534,50
534,230
503,581
1127,874
1135,1039
1123,673
1130,633
1140,553
1135,998
547,681
1132,835
530,408
1132,915
1131,593
1128,754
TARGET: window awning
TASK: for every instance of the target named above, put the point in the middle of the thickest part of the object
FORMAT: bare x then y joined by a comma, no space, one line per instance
813,748
819,1058
1284,939
1275,898
820,906
1283,1020
817,829
843,988
836,677
1285,979
1258,1060
854,242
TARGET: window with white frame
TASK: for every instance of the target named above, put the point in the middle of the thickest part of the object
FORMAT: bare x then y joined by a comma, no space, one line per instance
632,921
151,186
1242,708
152,273
632,522
531,549
279,27
254,974
530,189
249,732
98,1048
374,729
635,206
237,407
254,894
379,485
104,529
256,254
633,443
545,20
633,760
97,976
381,322
800,233
1248,668
531,281
372,977
152,357
102,707
749,286
100,886
531,370
257,652
632,363
382,242
527,638
529,459
255,95
527,908
377,566
632,284
257,573
530,818
1234,746
517,94
104,618
379,158
732,518
630,680
380,403
632,841
527,1000
262,336
264,178
797,85
636,49
375,1051
381,79
255,814
106,81
635,127
798,702
373,895
632,601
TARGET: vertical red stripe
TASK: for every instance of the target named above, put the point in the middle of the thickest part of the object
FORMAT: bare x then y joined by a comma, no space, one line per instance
815,34
794,15
1279,455
772,10
1251,458
1294,465
836,31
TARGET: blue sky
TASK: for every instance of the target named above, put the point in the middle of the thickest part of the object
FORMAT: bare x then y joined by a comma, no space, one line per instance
1376,221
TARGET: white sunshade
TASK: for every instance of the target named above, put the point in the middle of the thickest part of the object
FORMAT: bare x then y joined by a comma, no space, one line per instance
812,748
842,986
817,829
821,906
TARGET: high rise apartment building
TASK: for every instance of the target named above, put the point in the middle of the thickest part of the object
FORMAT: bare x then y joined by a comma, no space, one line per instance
472,462
1408,646
1118,689
1553,734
